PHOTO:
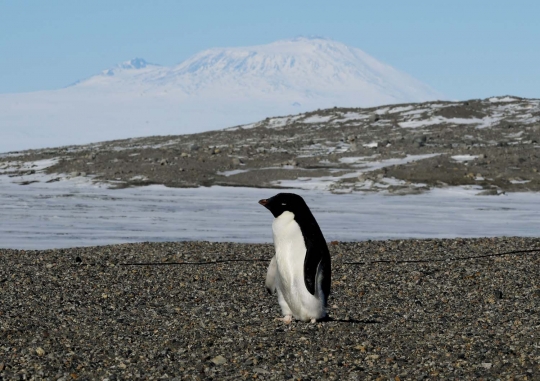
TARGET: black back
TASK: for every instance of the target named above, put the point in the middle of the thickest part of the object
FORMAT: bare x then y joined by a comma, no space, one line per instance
317,254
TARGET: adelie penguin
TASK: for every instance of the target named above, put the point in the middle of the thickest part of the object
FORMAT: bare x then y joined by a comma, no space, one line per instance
300,271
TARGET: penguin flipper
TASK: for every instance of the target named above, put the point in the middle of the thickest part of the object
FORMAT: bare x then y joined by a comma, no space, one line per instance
322,281
271,276
317,271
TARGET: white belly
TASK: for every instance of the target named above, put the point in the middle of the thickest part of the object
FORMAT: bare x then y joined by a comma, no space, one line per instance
290,255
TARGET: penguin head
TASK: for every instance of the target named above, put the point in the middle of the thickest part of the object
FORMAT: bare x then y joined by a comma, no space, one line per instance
285,202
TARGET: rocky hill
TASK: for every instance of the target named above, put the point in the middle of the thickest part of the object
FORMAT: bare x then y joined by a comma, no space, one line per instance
492,144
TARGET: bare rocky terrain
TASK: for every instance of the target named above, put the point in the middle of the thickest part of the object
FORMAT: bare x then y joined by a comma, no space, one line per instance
493,144
400,310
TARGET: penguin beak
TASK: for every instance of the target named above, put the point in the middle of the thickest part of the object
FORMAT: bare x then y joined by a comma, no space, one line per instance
263,202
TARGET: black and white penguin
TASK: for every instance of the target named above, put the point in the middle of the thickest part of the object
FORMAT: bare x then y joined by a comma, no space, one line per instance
300,271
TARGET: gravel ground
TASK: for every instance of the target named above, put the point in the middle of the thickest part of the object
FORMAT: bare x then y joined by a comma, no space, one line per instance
80,314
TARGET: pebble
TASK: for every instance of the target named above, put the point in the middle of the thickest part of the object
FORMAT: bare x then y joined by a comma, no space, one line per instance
237,161
219,360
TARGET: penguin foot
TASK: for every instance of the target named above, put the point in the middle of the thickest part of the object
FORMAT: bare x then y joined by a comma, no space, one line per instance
313,321
287,319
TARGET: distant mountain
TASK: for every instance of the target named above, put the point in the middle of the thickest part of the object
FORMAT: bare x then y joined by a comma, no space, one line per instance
214,89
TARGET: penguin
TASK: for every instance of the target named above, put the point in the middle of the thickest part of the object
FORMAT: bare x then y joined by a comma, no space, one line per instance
300,271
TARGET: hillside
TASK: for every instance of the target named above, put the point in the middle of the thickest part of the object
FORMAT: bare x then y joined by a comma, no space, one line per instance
491,145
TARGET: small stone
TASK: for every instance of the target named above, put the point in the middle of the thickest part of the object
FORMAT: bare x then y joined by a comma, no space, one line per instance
194,147
2,366
40,351
488,192
360,348
486,365
498,294
184,154
421,139
74,174
219,360
372,357
122,366
261,371
237,161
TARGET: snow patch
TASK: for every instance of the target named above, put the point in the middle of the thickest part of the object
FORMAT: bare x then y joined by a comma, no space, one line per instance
481,123
318,119
464,158
350,116
233,172
371,145
503,99
326,182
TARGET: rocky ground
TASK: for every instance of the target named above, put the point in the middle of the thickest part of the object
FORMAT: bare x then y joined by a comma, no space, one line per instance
491,143
81,314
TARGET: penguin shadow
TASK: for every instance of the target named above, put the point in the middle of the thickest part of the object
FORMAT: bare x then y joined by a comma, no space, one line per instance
349,321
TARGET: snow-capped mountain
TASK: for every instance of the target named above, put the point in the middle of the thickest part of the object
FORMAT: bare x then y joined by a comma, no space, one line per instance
216,88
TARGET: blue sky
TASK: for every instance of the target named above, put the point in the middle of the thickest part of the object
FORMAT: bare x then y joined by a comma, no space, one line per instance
464,49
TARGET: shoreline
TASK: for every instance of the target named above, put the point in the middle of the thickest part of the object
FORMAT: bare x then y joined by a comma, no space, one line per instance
41,217
78,313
